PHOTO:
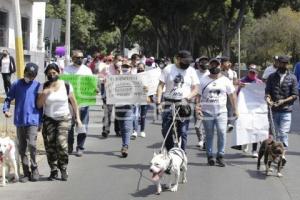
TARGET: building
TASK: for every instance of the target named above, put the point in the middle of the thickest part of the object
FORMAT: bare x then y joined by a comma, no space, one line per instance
33,20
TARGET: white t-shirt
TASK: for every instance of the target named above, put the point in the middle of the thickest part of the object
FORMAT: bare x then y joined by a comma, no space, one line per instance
56,104
213,94
230,74
269,70
178,82
202,74
82,70
5,65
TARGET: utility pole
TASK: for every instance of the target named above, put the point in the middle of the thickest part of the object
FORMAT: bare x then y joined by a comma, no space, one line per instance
68,31
18,40
239,59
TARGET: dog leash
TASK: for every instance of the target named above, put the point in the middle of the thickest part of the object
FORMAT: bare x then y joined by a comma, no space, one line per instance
271,122
171,126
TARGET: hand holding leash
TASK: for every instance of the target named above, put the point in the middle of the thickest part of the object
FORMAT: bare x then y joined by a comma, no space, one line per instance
7,114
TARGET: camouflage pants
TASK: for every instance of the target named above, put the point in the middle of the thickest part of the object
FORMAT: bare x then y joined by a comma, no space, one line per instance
55,134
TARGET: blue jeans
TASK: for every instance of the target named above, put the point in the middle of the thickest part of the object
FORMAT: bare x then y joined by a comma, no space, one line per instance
143,113
136,118
282,123
209,123
124,115
181,128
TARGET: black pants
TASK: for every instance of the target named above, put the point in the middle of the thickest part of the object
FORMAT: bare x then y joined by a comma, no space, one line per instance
6,81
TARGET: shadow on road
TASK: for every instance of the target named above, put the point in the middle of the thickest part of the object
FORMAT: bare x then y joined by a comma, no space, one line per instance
107,153
150,190
256,174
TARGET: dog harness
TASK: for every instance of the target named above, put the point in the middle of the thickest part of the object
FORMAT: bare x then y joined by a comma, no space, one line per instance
179,152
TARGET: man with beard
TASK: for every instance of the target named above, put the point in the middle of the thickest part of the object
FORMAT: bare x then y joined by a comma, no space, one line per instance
182,85
281,92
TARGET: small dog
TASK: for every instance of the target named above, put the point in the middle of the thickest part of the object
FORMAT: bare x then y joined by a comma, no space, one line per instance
173,161
271,150
8,159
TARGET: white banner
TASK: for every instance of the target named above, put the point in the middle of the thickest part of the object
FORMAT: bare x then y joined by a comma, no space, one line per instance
151,80
252,125
125,89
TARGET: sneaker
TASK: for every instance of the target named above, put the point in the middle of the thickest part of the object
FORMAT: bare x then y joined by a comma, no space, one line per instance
79,152
245,148
124,151
35,175
133,135
283,162
118,134
64,174
254,154
24,179
53,175
229,128
200,144
220,161
210,161
143,134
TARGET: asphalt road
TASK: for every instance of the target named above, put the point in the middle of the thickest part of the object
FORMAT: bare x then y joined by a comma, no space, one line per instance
101,174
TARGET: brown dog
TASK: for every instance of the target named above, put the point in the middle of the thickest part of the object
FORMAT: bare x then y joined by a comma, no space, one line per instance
271,150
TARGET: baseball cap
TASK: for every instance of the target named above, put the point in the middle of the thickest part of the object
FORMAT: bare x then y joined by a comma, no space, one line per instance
215,60
252,68
283,59
185,56
203,58
31,69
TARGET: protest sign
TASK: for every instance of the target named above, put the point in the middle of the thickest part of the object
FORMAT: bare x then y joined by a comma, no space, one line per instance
84,88
252,124
125,89
151,80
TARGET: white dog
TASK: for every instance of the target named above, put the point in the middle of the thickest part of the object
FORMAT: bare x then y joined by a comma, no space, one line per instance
174,161
8,159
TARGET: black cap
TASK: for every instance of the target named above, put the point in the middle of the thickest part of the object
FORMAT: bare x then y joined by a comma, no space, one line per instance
185,56
31,69
203,58
52,66
215,60
283,59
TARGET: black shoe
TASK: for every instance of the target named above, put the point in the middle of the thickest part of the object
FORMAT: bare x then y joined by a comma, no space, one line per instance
124,151
64,175
35,175
220,161
210,161
25,179
53,175
118,134
70,149
105,134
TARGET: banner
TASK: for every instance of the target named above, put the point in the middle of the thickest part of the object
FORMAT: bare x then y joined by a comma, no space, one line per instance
151,80
252,124
85,88
125,89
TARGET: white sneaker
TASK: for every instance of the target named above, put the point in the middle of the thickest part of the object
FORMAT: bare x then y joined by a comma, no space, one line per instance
245,148
200,144
254,154
134,135
143,134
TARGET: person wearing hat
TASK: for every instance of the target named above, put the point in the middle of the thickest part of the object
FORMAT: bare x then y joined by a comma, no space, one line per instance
8,67
181,85
281,92
78,68
54,96
27,119
213,93
270,69
201,66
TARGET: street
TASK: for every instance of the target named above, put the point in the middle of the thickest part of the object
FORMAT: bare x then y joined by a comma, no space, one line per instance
102,174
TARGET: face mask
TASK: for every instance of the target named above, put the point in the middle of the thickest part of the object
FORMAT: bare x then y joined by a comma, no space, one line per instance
204,67
252,76
27,80
184,66
125,71
78,62
215,70
140,70
5,54
52,78
282,70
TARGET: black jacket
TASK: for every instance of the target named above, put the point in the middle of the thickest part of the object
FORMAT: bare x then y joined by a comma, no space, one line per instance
277,91
12,65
